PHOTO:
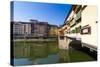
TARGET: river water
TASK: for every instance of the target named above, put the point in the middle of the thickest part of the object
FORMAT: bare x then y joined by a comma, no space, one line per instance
33,53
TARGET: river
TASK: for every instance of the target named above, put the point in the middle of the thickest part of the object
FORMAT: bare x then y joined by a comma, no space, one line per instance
41,52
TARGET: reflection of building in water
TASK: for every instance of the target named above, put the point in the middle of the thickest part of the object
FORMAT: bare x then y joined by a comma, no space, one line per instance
64,56
42,50
21,51
47,52
38,51
34,50
53,48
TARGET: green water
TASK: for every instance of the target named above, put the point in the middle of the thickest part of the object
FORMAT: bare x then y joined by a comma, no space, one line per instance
30,53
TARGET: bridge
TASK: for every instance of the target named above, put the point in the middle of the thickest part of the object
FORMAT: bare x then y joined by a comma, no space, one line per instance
66,42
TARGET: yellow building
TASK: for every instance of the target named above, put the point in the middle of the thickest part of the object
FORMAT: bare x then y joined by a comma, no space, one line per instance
53,30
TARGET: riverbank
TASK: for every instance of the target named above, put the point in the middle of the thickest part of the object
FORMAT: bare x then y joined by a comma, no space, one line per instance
35,40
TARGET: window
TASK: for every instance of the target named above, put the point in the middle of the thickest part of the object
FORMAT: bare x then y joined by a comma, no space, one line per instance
78,29
86,30
73,31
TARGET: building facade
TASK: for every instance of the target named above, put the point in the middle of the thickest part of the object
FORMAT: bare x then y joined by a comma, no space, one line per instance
53,30
33,28
89,26
40,29
81,24
32,22
73,23
21,28
26,28
16,28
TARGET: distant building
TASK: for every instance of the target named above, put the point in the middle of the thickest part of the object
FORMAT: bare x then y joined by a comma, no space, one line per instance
16,28
32,22
21,28
53,30
34,28
26,28
40,29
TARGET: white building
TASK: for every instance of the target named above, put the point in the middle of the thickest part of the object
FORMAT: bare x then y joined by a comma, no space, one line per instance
74,23
81,24
89,26
21,28
26,29
16,28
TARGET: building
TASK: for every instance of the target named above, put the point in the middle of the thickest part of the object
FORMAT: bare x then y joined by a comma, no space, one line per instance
72,25
75,27
81,25
53,30
16,28
89,26
21,28
34,28
26,28
39,29
32,22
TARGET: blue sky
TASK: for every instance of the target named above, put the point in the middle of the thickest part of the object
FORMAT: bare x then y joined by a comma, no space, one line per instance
51,13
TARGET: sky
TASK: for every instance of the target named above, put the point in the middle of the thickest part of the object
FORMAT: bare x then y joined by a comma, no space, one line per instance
52,13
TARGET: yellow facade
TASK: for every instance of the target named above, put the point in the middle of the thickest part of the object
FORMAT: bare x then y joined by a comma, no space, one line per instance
53,31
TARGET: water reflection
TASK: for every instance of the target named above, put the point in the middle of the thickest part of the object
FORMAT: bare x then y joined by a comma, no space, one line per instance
45,53
64,56
36,51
